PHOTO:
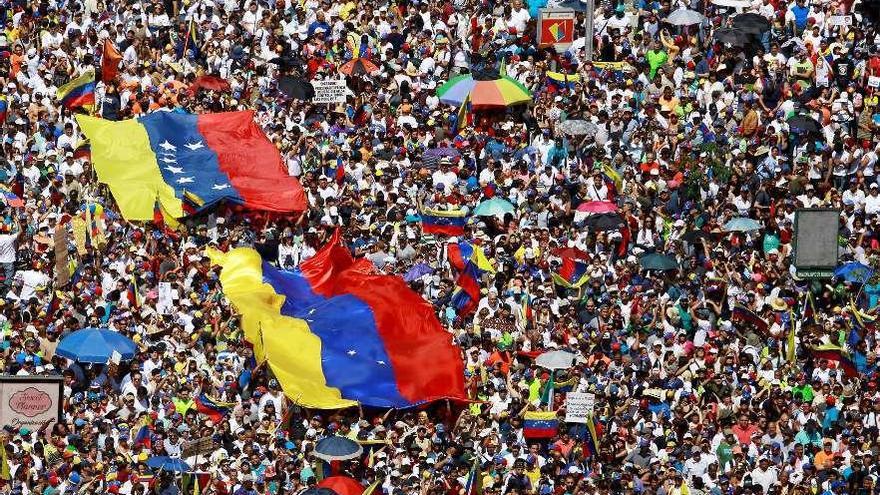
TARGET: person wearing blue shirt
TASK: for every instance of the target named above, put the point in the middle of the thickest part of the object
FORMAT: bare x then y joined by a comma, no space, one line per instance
801,12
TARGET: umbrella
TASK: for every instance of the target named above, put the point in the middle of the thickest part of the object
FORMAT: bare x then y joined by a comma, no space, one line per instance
572,253
578,128
576,5
742,224
417,272
431,157
695,236
493,207
296,88
319,490
803,124
597,207
854,272
336,448
209,82
734,4
751,23
604,221
95,345
793,45
555,360
342,485
684,17
732,36
660,262
165,463
358,66
502,92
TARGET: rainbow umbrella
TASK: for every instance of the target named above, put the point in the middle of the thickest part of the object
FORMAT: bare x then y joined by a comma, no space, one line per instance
502,92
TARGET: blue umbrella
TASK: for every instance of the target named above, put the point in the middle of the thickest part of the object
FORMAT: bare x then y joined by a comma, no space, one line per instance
95,345
493,207
165,463
742,224
854,272
336,448
417,272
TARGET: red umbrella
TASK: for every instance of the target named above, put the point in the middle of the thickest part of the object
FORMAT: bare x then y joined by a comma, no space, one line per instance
358,66
597,207
571,252
343,485
209,82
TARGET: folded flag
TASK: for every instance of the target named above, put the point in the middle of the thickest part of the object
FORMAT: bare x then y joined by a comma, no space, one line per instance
540,424
336,333
214,409
142,437
459,253
443,222
572,274
467,294
172,158
79,92
742,314
837,354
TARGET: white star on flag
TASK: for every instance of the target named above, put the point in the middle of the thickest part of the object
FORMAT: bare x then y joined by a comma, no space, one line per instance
167,146
220,187
194,146
174,170
380,362
185,180
169,160
352,352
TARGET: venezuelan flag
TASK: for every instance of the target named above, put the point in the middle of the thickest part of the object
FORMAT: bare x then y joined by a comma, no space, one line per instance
572,274
175,158
835,353
142,437
742,314
336,333
540,424
461,252
559,81
443,222
83,150
4,108
214,409
80,92
591,446
467,295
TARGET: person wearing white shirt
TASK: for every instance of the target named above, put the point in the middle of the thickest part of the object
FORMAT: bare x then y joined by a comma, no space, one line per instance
872,200
764,475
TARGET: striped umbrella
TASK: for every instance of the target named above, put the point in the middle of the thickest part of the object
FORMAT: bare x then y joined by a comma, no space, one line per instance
358,66
502,92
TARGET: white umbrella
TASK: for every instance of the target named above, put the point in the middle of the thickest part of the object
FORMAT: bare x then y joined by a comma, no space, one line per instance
736,4
684,17
555,360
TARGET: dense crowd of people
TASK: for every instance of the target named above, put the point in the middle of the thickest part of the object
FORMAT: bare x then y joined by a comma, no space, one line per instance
689,127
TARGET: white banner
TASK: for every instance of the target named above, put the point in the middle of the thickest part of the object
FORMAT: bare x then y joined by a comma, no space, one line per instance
874,81
840,20
330,91
578,406
165,302
30,401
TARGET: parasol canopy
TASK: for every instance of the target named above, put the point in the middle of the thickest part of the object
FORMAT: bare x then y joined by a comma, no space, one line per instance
358,67
493,207
296,88
95,345
684,17
577,127
659,262
597,207
555,360
742,224
502,92
336,448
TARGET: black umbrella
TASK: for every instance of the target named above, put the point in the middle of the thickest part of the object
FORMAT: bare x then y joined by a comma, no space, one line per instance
319,490
695,236
605,221
751,23
296,88
733,36
803,124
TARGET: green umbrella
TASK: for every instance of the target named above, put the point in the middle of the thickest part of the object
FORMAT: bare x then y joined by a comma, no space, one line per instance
742,224
493,207
660,262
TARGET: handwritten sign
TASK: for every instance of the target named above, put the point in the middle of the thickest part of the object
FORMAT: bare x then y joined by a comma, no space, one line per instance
579,406
165,301
30,401
330,91
840,20
196,447
874,81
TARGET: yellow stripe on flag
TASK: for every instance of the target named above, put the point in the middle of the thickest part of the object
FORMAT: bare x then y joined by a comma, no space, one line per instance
124,160
288,340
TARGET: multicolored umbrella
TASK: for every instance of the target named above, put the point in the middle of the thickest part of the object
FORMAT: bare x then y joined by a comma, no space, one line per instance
502,92
357,67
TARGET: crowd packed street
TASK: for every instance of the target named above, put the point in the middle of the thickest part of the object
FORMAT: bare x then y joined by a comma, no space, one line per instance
634,210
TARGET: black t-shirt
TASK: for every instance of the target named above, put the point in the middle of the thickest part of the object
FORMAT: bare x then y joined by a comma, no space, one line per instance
843,69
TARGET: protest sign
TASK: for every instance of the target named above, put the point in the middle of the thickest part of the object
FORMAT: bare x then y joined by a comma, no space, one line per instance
579,406
330,91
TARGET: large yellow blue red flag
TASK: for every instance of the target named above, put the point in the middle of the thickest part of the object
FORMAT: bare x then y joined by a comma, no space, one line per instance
336,333
177,159
79,92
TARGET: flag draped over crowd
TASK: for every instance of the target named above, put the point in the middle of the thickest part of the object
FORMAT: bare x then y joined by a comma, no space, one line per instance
185,163
335,332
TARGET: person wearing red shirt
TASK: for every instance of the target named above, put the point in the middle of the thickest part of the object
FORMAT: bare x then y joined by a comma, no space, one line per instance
743,430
